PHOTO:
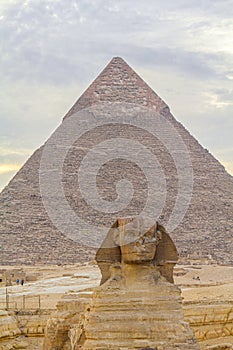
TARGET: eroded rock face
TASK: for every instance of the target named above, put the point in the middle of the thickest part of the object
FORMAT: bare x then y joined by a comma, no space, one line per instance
221,347
8,326
136,306
65,326
210,321
9,330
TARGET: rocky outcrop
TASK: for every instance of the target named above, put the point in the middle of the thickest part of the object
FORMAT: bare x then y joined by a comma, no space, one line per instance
18,344
61,331
9,331
210,320
225,346
32,323
8,326
22,330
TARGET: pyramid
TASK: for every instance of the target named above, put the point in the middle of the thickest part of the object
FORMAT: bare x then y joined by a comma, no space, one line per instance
28,235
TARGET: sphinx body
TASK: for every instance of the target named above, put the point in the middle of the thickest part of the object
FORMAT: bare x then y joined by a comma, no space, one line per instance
137,305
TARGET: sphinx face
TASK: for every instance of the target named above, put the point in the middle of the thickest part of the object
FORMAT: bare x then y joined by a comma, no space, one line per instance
137,246
138,252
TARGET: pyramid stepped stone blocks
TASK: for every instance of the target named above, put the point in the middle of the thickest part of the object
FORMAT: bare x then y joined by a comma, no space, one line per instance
29,236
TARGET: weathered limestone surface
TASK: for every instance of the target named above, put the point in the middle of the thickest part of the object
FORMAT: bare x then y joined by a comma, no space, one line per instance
9,331
210,321
61,330
17,328
137,318
223,346
14,344
8,325
27,234
33,324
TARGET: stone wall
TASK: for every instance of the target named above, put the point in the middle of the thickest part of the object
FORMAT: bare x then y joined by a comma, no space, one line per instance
210,320
22,330
9,327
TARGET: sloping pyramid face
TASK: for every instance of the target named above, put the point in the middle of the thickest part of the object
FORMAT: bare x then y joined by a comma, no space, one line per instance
28,234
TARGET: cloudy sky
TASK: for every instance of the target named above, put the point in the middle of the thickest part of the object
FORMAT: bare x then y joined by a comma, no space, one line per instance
51,50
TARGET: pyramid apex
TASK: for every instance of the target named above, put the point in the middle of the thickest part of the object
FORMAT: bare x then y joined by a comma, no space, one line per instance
119,62
117,59
118,82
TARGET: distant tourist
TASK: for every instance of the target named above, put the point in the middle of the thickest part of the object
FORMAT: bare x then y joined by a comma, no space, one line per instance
22,282
17,281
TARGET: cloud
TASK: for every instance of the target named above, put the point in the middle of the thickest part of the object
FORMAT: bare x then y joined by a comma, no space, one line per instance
228,166
7,171
195,64
5,178
10,156
9,168
5,4
52,41
220,98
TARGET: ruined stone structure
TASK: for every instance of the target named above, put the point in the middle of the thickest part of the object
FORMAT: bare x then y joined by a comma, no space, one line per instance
213,321
10,277
137,306
22,330
29,236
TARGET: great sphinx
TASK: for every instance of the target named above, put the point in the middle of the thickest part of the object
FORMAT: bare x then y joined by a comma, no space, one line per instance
137,305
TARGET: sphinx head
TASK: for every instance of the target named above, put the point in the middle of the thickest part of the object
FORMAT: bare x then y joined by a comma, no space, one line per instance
137,240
